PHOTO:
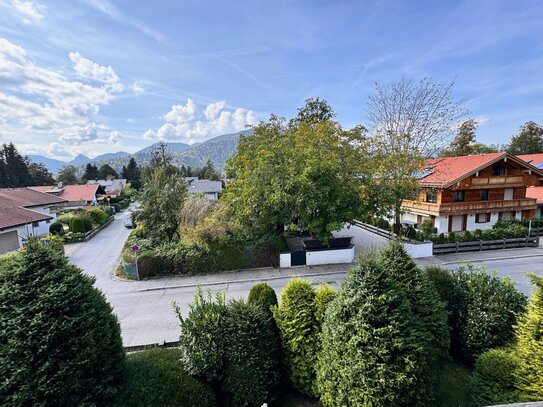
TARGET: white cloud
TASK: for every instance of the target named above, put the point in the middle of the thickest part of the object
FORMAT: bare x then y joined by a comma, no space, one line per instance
41,103
115,137
29,9
181,113
182,123
137,88
91,70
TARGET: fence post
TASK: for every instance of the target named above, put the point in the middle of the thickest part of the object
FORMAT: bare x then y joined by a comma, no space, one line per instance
456,247
480,245
504,243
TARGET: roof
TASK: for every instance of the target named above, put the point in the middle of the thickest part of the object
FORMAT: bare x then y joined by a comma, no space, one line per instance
112,185
535,159
15,201
535,192
205,186
71,193
444,172
28,197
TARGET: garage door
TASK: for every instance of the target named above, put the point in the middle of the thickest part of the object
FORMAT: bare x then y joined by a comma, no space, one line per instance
8,242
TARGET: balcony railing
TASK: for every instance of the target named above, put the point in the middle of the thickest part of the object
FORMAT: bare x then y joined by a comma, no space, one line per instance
498,180
463,207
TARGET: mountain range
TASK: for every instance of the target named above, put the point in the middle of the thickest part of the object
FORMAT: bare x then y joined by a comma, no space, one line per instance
218,149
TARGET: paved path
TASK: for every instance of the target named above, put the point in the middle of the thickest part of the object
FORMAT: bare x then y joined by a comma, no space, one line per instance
145,308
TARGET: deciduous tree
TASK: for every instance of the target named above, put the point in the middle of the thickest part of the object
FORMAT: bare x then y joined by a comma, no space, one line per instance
68,175
529,140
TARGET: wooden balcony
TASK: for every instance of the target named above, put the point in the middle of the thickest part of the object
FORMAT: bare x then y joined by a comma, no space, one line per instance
501,181
469,207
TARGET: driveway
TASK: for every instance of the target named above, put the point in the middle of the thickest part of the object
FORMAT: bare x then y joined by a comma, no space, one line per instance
145,309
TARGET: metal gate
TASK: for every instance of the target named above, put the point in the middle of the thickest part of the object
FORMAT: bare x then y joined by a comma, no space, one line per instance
297,258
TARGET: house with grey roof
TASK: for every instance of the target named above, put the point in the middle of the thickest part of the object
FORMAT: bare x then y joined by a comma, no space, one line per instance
211,189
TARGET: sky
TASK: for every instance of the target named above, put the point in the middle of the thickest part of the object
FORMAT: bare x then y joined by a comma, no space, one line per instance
97,76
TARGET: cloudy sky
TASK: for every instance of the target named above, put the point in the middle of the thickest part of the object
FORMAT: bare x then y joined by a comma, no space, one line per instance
97,76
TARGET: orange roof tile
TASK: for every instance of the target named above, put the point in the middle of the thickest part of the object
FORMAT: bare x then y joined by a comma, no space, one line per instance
532,158
535,192
73,193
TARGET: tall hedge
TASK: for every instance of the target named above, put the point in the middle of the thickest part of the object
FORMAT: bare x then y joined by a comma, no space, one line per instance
299,331
529,346
493,380
492,305
379,342
77,225
155,377
324,296
60,343
251,369
262,294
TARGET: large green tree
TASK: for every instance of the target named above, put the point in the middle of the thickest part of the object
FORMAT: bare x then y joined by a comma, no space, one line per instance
13,167
131,173
39,174
465,142
106,170
529,140
68,175
91,172
307,171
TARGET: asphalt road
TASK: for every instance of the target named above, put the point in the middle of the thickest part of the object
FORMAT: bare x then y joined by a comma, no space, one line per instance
145,308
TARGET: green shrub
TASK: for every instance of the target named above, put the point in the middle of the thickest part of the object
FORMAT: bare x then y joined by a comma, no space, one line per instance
452,388
251,364
382,335
60,344
87,220
56,228
202,339
76,225
98,216
453,296
298,328
55,242
452,238
529,346
324,296
493,380
155,377
492,305
468,236
262,294
116,207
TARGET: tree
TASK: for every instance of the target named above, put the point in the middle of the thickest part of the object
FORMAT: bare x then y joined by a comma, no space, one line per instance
91,172
13,168
208,172
314,110
60,343
107,171
529,140
161,155
262,294
380,345
131,173
464,140
308,173
160,204
324,296
67,175
299,332
40,175
410,123
529,345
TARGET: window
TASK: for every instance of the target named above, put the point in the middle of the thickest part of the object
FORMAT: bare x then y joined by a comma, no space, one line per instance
458,196
484,194
482,218
431,196
498,170
35,224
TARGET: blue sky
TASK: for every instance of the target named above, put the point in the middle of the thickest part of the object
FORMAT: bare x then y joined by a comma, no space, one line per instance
97,76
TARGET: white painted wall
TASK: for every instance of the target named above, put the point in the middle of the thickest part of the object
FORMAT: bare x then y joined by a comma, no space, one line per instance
419,250
339,256
284,260
409,217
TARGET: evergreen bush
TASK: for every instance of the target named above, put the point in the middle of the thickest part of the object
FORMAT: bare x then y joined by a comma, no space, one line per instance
98,216
60,344
56,228
87,220
529,346
262,294
493,380
492,305
251,370
76,225
382,336
299,332
155,377
324,296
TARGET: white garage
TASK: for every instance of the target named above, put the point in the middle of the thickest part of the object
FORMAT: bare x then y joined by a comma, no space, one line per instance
9,241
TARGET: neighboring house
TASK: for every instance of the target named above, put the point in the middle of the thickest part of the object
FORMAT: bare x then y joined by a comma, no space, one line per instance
473,192
210,189
24,212
112,187
537,191
75,195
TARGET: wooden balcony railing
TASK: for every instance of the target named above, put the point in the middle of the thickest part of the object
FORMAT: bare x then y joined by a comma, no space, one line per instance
466,207
503,180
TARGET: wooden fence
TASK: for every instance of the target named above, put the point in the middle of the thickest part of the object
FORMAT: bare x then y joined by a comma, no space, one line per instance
481,245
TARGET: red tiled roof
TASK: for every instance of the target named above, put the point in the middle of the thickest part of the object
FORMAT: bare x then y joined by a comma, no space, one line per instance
532,158
535,192
16,216
73,193
444,172
27,197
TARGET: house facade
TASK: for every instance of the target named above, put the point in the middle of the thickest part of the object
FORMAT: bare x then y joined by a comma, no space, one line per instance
536,191
23,213
473,192
211,189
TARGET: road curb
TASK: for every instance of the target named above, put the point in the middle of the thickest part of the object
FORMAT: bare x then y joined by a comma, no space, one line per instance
245,280
491,259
